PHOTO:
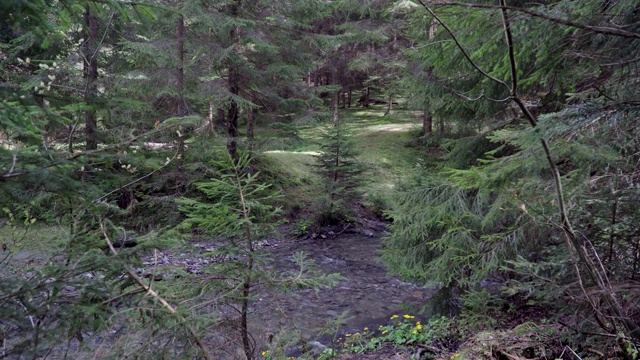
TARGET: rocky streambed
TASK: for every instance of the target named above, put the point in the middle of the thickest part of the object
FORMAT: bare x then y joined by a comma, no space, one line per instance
367,292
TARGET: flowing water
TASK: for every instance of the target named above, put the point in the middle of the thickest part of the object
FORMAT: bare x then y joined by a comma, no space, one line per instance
368,293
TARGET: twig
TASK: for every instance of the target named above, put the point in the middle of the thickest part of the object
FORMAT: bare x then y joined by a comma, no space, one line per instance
462,49
343,230
429,348
13,164
592,269
596,29
570,350
509,356
157,296
594,351
138,179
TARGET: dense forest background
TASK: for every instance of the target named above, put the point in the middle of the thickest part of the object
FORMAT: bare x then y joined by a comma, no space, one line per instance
127,127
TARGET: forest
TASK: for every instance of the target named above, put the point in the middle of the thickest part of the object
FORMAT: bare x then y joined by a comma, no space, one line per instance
320,179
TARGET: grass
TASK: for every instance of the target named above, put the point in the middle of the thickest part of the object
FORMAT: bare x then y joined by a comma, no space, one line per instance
380,139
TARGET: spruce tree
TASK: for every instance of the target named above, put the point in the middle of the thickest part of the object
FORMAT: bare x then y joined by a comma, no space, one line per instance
340,170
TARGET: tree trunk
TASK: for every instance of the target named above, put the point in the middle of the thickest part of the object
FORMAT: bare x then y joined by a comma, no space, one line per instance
234,89
251,122
427,122
211,119
335,96
349,98
389,106
181,108
365,98
221,118
90,73
232,116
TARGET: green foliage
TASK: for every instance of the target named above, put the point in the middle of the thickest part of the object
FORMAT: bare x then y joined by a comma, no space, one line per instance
341,173
447,233
239,208
403,331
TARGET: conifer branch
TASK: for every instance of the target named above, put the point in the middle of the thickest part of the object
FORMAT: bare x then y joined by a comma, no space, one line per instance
147,288
597,29
462,49
595,270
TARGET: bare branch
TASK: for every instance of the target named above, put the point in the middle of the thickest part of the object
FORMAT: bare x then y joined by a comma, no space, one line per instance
597,29
462,49
138,280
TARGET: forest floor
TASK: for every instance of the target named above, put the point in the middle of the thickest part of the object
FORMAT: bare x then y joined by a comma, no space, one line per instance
367,296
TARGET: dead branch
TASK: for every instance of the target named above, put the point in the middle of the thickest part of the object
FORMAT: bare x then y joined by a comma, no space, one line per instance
597,29
147,288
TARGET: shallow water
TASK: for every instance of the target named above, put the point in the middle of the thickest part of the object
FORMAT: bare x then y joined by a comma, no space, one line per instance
368,294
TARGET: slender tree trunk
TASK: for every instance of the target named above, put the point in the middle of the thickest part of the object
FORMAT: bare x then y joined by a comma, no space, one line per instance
221,118
427,122
234,88
181,108
365,103
211,119
90,73
251,123
349,97
335,96
389,106
232,116
72,130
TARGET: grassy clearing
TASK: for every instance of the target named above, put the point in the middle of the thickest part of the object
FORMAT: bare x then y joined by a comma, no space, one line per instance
294,171
380,139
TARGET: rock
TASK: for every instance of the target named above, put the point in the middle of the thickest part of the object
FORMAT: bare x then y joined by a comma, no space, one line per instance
332,313
316,347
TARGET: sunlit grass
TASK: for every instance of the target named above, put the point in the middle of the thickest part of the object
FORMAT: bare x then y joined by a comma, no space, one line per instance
382,143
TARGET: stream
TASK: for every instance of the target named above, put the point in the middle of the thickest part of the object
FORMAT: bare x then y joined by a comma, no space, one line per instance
368,293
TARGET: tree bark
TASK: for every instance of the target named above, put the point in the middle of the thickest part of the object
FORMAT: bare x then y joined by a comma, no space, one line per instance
232,116
181,108
211,119
221,118
349,98
427,122
234,89
389,106
365,100
251,122
90,73
335,96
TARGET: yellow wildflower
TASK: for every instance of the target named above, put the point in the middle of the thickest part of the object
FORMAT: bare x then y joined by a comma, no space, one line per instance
418,327
264,353
347,335
408,316
366,329
394,317
384,332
